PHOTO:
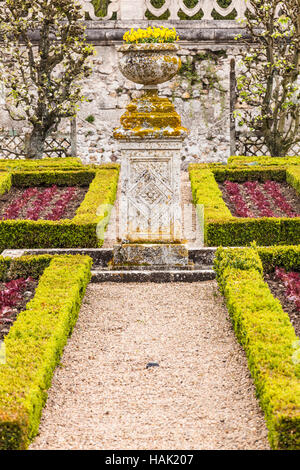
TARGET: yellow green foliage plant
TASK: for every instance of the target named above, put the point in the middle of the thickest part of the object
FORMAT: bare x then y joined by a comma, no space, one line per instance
68,163
5,183
36,340
267,335
263,161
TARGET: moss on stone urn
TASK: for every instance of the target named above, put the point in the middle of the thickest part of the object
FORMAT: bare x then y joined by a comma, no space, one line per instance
150,116
149,64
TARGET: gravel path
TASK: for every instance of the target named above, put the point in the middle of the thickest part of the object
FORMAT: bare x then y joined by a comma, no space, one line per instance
201,396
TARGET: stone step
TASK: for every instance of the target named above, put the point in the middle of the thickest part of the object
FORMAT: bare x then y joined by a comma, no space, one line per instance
189,267
204,255
103,256
159,275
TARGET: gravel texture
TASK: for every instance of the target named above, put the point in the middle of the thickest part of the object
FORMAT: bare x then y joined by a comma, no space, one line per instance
200,397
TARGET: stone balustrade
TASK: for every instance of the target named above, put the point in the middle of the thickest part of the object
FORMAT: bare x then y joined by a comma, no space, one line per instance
129,10
204,93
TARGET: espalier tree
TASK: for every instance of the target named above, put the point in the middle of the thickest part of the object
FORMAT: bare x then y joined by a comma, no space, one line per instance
43,57
269,84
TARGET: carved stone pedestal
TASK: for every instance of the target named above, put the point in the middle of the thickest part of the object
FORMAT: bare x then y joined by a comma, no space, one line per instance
150,139
150,208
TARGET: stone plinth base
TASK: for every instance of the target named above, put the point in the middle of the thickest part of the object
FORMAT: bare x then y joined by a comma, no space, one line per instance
150,207
151,255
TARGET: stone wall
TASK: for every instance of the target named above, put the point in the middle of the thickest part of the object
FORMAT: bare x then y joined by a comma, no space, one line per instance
201,94
202,91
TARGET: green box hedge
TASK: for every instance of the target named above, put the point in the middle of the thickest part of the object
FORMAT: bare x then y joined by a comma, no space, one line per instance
68,163
5,183
287,257
85,230
25,266
265,161
267,335
36,340
221,228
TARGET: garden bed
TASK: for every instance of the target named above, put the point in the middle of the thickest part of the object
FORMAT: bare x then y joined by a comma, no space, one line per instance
285,286
255,199
40,203
35,342
263,327
71,208
275,219
14,295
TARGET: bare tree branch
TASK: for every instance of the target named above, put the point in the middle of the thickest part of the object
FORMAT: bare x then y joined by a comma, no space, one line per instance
43,79
269,82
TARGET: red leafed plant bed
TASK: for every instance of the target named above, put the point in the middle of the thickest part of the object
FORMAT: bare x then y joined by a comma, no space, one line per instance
14,295
261,199
50,203
286,287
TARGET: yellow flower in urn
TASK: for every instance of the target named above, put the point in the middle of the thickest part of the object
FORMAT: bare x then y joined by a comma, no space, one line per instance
151,35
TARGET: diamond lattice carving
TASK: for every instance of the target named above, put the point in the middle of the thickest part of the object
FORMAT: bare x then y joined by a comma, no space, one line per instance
150,196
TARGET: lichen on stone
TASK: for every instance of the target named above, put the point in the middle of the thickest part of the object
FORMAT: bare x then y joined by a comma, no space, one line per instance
149,65
150,116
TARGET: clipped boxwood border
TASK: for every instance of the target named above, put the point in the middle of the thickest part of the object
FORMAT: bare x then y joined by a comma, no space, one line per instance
221,228
36,341
85,230
5,183
267,335
68,163
287,257
24,266
240,160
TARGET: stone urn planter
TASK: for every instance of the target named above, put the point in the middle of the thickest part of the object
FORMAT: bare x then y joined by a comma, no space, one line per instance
150,116
149,64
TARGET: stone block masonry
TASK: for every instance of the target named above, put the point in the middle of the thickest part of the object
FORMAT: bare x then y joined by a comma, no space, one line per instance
151,255
200,93
203,93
